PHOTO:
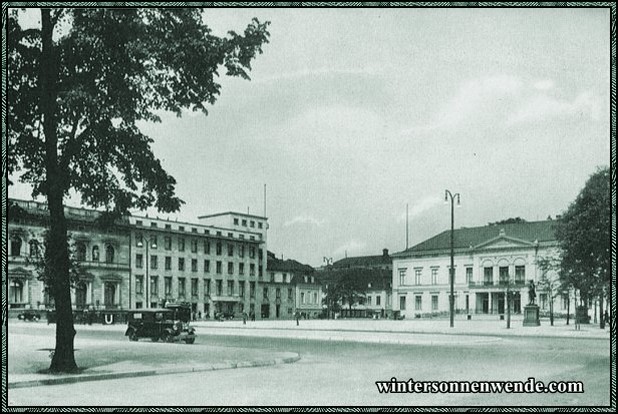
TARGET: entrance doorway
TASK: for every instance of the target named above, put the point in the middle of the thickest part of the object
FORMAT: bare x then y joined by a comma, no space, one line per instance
265,311
277,311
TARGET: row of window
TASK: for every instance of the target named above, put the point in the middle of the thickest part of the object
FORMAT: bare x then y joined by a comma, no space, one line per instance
488,272
194,244
194,229
80,250
232,288
154,265
418,303
245,222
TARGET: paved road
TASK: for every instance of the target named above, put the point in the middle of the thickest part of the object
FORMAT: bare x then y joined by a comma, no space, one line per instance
344,373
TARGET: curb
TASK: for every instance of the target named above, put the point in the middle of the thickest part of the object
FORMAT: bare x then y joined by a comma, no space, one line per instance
145,373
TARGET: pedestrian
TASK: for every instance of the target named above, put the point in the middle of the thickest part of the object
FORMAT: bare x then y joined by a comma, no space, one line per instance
244,318
297,317
199,315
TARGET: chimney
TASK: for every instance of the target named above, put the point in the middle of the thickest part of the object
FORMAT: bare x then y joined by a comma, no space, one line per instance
385,252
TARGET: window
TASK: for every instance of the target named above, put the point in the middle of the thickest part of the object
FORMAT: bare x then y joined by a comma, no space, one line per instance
368,300
543,300
290,295
252,269
81,252
241,289
154,286
181,244
378,300
167,243
434,276
109,254
193,245
154,262
16,291
241,250
139,261
168,263
468,275
139,240
235,221
206,287
219,267
206,266
193,287
265,293
259,225
168,286
252,252
181,286
181,228
109,294
252,289
194,265
520,274
252,223
302,297
503,273
402,302
181,263
260,271
139,285
434,303
272,276
230,249
402,277
168,227
418,303
230,287
153,242
218,249
219,287
193,230
207,246
95,253
488,275
244,222
230,268
417,276
278,293
241,268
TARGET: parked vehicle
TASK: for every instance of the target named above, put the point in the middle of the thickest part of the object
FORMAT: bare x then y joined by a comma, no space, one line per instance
29,315
169,324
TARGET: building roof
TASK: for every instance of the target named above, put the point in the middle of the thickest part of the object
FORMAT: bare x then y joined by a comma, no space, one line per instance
379,279
466,238
274,264
364,261
228,213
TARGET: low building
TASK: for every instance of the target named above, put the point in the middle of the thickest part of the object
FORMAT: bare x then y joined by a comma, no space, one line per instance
488,261
285,291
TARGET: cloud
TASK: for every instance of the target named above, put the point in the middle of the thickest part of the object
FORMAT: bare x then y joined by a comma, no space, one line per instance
475,101
542,107
303,219
544,85
319,72
420,207
351,248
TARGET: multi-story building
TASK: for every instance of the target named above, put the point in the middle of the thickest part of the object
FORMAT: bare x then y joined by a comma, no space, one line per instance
217,265
280,292
374,273
488,261
101,253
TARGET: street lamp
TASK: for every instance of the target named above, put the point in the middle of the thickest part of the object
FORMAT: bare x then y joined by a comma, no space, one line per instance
447,195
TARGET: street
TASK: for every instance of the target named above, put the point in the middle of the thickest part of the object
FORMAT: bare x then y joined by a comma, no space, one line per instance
344,373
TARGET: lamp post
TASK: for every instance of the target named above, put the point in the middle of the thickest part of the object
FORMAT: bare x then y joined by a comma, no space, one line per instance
447,195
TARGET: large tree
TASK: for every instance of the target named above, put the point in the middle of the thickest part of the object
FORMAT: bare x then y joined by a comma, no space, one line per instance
584,236
78,85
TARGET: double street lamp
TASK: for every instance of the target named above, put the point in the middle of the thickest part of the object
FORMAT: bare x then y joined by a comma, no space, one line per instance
453,197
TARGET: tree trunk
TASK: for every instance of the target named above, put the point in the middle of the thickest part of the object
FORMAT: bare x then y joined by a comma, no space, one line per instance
57,252
602,319
568,308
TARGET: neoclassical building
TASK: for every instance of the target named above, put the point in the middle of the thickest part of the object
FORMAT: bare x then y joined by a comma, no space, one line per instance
102,255
488,261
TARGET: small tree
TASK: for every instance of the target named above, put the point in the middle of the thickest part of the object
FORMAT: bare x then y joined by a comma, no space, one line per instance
78,86
550,280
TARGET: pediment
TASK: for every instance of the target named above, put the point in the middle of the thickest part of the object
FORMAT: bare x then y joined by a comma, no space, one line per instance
503,242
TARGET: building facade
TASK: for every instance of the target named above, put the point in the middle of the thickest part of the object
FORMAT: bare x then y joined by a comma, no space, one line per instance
489,261
101,253
281,292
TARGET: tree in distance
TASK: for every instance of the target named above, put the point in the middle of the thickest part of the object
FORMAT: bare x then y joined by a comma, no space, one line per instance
76,88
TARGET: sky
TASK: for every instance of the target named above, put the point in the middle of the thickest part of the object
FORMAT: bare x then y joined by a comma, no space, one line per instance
353,114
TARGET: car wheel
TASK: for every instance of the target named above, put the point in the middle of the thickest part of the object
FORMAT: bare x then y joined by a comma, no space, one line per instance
167,337
154,339
35,318
132,336
189,341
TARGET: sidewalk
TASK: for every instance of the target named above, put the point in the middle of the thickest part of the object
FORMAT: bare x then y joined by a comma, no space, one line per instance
29,356
488,326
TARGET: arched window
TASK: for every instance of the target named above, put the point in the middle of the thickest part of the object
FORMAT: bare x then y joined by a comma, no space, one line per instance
34,248
81,252
95,253
15,246
81,291
16,291
109,254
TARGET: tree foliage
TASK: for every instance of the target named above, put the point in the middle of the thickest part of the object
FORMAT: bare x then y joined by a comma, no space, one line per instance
584,236
77,87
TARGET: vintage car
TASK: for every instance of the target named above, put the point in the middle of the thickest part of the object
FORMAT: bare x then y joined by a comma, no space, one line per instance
29,315
169,324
